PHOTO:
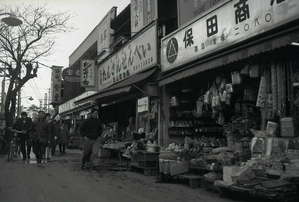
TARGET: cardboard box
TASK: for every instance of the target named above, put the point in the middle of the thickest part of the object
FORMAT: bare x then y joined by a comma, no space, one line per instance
178,167
228,172
287,128
276,146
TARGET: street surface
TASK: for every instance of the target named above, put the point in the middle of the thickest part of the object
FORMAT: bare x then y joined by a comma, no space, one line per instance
62,181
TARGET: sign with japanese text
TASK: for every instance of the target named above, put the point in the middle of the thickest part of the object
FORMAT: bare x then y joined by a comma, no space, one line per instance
87,72
142,104
105,34
143,12
233,22
71,74
56,83
138,55
71,105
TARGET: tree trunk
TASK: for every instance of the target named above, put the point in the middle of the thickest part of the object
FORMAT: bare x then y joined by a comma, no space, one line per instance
10,108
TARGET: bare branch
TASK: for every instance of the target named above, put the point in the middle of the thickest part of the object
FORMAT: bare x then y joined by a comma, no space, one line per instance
30,41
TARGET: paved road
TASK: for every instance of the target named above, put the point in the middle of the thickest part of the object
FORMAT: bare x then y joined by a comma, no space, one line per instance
63,181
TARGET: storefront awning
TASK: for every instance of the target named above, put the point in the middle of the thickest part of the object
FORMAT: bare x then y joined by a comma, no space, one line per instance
78,109
233,54
122,88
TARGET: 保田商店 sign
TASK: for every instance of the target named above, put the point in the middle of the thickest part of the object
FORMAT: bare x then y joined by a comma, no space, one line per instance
232,22
138,55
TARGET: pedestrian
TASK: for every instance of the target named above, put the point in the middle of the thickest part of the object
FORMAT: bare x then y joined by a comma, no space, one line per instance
23,127
40,136
50,131
63,137
54,136
99,143
90,130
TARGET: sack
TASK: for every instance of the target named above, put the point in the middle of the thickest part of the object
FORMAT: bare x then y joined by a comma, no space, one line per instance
236,78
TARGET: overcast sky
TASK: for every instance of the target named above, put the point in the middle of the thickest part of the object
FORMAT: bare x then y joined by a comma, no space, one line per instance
87,14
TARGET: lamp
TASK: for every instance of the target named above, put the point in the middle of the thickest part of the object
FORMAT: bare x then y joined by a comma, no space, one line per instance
11,19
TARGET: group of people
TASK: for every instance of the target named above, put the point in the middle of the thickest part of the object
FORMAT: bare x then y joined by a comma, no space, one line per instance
41,135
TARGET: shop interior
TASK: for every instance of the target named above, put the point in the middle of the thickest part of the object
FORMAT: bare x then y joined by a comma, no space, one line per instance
237,119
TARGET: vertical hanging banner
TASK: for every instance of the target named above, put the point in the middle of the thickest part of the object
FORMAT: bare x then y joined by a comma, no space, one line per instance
87,73
143,12
56,84
228,24
105,34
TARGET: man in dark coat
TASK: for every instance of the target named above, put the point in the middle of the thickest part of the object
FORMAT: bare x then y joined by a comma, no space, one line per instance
24,126
41,131
90,130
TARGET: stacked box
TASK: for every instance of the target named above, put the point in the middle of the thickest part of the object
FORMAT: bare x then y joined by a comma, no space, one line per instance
287,127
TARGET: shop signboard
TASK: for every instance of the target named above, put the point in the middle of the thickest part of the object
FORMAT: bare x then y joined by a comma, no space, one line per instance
230,23
142,104
87,73
143,12
189,9
105,34
138,55
71,75
56,83
70,105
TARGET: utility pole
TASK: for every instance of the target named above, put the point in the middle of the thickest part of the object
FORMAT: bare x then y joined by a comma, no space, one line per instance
49,98
40,104
45,102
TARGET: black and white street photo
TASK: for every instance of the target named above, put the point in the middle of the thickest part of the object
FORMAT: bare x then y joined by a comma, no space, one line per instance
149,100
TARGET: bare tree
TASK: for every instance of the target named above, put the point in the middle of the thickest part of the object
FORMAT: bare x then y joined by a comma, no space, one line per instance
21,46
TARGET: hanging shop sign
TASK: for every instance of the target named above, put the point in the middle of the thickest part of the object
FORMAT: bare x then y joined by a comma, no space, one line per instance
87,73
105,34
143,12
56,83
142,104
71,75
233,22
138,55
70,105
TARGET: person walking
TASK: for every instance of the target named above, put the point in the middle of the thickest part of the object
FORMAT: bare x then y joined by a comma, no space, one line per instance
54,136
40,136
23,127
63,137
90,130
51,132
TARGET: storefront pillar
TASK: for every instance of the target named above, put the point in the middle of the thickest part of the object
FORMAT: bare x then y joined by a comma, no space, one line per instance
163,118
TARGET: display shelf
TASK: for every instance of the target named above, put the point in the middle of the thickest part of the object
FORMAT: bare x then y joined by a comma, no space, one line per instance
180,127
197,135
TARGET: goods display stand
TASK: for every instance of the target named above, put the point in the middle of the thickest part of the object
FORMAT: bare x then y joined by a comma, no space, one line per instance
117,148
249,194
146,162
194,181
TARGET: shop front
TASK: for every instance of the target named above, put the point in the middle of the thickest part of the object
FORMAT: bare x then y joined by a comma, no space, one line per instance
127,94
72,113
229,88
